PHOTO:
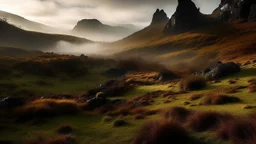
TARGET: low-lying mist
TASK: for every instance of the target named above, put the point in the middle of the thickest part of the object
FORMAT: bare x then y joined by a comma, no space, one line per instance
64,47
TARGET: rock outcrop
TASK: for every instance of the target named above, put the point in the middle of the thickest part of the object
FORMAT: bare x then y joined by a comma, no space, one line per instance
229,10
252,15
220,70
186,17
159,17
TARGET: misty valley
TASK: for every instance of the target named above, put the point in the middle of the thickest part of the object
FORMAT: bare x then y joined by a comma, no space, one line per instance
96,72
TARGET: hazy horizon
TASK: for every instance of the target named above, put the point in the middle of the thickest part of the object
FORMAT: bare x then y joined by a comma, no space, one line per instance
65,14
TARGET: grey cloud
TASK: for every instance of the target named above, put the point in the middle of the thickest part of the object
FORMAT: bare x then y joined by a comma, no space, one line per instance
65,13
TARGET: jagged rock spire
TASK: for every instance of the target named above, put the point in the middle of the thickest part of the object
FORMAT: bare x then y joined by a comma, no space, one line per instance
159,17
186,17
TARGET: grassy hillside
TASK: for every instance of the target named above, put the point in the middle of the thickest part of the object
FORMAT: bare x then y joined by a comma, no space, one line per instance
25,23
12,36
98,126
15,52
230,41
139,39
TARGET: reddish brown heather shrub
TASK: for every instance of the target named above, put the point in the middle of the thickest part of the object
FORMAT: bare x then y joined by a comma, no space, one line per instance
138,110
232,82
163,132
122,111
105,109
119,123
219,99
177,113
192,83
239,131
139,116
252,81
195,97
65,129
203,121
47,108
252,88
56,140
151,112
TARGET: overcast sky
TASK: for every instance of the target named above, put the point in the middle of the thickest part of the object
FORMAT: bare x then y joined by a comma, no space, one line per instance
66,13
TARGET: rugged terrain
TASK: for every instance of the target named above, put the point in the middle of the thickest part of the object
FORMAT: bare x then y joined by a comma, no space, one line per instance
180,80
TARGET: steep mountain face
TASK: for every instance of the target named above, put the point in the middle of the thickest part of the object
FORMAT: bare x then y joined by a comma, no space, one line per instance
146,35
95,30
159,17
26,24
229,10
211,40
186,17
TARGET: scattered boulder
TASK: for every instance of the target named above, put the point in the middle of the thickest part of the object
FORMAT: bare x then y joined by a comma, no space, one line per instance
110,88
166,76
220,70
96,102
11,102
119,123
252,15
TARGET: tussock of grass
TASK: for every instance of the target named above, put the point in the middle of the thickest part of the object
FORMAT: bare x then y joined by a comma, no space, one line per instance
252,81
139,117
163,132
177,113
195,97
252,88
219,99
48,108
127,110
192,83
239,131
119,123
203,121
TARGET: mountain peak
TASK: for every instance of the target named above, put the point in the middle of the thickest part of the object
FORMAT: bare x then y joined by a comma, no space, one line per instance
90,22
186,17
229,10
159,17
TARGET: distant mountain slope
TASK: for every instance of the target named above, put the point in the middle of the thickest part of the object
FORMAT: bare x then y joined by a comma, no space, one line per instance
144,36
95,30
198,44
13,52
25,23
11,36
231,41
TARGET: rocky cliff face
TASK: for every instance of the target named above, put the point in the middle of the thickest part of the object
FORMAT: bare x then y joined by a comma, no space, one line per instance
186,17
229,10
159,17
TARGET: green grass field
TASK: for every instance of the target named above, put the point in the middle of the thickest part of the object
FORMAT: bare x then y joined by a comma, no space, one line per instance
90,128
